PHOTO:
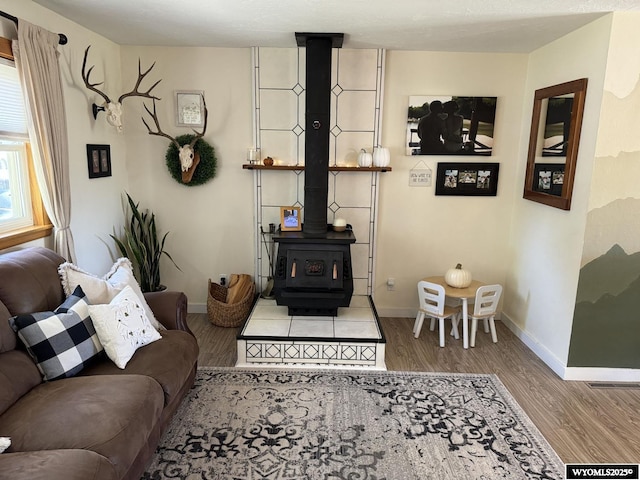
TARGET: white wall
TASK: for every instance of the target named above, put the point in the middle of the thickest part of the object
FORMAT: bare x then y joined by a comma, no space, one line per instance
95,203
421,234
545,243
210,225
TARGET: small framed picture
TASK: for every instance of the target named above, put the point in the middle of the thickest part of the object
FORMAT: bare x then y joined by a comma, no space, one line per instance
99,160
459,178
190,108
549,178
290,219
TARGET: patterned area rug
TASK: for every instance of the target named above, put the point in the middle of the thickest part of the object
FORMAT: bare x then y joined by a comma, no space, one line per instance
247,425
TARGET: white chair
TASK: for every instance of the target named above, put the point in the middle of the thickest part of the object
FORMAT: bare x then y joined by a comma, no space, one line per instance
432,304
485,306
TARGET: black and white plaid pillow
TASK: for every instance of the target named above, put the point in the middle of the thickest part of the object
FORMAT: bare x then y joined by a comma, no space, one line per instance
61,342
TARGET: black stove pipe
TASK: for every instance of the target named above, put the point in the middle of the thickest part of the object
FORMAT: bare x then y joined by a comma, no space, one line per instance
316,153
317,117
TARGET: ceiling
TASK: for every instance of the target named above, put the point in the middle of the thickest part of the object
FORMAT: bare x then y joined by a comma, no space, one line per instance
516,26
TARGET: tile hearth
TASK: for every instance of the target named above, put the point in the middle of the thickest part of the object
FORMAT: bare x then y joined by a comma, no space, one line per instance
352,339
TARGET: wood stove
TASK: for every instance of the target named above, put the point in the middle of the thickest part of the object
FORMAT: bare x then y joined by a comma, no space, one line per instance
313,274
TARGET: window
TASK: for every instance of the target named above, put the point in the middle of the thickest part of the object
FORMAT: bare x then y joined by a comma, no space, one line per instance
15,198
22,216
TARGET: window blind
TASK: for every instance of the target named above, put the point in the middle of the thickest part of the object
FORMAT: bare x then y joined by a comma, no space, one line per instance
13,122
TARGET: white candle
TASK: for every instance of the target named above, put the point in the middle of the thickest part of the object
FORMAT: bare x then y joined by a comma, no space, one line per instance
252,154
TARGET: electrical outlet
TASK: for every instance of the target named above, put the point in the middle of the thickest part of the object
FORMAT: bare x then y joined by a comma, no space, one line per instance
223,279
391,283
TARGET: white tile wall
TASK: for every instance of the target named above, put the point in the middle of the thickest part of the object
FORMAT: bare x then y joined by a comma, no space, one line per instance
279,96
354,68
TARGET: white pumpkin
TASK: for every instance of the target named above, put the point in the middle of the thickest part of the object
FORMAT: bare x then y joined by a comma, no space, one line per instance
365,159
458,277
381,157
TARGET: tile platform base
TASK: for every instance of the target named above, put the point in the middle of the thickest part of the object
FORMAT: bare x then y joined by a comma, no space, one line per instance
351,340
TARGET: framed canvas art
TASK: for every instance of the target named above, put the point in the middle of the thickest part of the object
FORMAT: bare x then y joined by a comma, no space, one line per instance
450,125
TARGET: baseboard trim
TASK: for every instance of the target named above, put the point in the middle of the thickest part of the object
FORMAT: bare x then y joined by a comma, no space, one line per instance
382,312
197,308
582,374
396,312
536,347
602,374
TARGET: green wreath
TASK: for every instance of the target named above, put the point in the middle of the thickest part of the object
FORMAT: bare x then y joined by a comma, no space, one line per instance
205,170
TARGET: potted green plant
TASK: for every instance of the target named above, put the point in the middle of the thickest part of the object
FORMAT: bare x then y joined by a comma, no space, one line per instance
141,245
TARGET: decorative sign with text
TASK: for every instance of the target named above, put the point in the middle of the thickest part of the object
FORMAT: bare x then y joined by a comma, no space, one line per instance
420,175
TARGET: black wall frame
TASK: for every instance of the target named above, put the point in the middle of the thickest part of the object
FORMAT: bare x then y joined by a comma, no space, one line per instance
99,160
473,179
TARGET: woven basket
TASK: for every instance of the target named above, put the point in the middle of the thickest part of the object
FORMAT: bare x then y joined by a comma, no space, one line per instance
223,314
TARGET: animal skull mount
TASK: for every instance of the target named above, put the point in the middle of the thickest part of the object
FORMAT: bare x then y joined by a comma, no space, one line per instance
189,158
186,155
114,115
114,109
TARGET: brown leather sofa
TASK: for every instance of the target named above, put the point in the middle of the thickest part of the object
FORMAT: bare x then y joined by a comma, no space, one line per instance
103,424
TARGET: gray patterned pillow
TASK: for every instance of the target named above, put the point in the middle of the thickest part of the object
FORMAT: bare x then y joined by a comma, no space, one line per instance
61,342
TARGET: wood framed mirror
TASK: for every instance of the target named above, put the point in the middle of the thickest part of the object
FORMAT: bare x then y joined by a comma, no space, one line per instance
553,143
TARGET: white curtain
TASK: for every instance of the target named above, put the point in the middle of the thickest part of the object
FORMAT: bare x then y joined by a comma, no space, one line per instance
36,57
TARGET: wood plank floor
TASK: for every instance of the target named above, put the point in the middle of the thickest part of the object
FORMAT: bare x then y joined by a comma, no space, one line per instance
582,424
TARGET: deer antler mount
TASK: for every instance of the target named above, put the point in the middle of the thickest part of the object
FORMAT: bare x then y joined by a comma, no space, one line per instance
114,109
189,158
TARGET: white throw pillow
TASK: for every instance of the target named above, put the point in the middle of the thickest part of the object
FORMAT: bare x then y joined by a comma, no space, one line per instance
5,442
103,290
122,326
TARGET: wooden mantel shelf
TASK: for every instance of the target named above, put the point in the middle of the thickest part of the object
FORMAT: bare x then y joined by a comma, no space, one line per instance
332,168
